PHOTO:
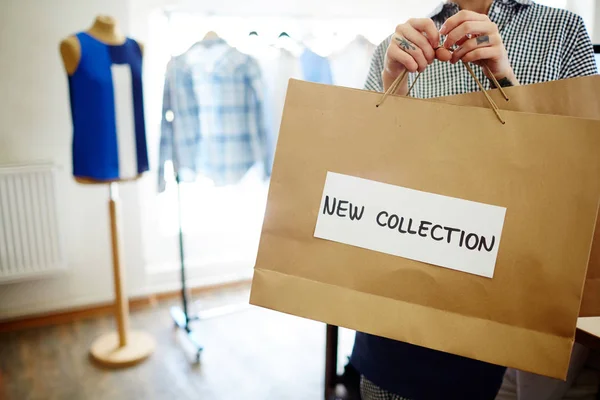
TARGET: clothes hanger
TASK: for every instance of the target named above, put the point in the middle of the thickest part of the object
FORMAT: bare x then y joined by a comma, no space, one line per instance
285,36
286,42
209,39
252,44
211,35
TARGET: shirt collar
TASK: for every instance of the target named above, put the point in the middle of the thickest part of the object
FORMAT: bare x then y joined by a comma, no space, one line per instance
448,8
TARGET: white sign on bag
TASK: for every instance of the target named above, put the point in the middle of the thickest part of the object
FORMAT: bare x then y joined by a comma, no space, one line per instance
445,231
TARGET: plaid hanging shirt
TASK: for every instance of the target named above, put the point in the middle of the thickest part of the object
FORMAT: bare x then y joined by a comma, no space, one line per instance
543,44
212,121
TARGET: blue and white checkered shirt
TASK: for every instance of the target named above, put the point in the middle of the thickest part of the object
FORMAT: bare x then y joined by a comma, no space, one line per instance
212,121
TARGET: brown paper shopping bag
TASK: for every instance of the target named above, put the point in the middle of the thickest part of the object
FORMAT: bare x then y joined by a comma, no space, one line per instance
544,171
577,97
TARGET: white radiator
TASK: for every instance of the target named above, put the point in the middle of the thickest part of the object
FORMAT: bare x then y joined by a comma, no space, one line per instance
30,244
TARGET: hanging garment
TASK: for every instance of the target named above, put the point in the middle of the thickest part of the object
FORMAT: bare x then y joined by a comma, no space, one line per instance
315,68
278,67
350,66
212,119
109,135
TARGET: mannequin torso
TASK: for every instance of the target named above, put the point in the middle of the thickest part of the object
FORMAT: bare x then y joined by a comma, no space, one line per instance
105,30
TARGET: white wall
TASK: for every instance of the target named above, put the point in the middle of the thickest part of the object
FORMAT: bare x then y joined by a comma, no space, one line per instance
35,126
596,32
587,9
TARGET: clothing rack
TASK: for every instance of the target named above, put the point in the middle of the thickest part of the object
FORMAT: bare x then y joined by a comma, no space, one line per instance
372,24
182,316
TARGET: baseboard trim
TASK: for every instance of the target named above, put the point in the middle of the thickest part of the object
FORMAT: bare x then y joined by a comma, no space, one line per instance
103,309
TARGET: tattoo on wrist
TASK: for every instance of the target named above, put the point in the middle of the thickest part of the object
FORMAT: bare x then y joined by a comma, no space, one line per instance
405,44
485,39
504,82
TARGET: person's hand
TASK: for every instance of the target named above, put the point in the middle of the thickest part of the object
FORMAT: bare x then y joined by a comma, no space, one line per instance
412,48
479,42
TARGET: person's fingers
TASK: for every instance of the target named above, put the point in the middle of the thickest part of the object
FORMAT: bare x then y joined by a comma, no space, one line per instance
473,28
426,26
459,18
443,54
485,53
474,43
460,42
398,59
412,49
422,42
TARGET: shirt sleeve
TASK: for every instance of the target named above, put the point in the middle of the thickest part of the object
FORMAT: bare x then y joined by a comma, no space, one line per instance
180,128
578,55
374,79
166,130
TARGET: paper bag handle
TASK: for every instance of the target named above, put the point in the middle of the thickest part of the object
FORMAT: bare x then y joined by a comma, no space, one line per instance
400,78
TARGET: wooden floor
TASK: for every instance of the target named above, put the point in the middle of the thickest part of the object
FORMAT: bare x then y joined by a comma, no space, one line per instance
251,354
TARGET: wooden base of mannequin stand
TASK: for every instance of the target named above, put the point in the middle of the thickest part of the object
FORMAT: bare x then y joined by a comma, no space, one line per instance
107,351
123,348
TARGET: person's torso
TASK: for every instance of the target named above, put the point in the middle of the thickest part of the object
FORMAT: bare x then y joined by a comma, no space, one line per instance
419,373
535,36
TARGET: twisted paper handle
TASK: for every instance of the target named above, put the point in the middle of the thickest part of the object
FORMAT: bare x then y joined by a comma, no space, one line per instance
398,81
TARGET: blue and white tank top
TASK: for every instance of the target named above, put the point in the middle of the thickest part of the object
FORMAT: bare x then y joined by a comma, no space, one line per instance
109,135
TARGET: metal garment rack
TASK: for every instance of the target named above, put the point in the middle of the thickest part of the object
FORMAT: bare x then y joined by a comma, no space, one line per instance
182,315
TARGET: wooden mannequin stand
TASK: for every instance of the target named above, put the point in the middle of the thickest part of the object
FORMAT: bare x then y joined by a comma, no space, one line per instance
123,348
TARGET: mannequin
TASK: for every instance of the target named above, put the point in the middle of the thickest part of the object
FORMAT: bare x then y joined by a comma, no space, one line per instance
105,29
105,89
